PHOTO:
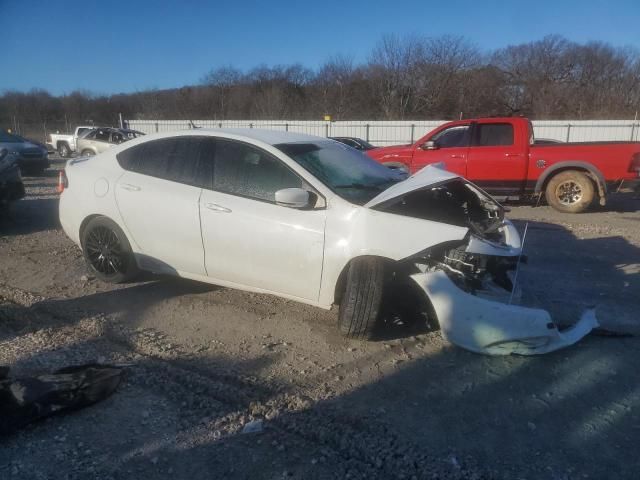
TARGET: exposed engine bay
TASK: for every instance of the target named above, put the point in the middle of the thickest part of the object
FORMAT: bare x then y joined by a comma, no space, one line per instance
454,202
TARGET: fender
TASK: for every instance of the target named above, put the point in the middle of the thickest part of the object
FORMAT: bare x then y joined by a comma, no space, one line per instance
566,165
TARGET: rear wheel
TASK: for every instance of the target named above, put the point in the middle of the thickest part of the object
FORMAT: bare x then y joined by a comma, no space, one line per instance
570,191
63,150
107,251
362,299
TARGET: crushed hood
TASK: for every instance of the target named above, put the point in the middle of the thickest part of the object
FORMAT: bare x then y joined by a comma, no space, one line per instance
428,176
441,196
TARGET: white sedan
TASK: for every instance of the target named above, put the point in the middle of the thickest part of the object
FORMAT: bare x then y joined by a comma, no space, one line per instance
309,219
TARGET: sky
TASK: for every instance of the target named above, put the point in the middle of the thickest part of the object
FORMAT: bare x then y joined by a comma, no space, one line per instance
113,46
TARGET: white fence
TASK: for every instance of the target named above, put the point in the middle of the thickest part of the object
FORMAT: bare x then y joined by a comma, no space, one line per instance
398,132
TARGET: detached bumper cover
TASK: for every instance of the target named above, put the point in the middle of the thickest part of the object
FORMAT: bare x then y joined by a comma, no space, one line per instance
495,328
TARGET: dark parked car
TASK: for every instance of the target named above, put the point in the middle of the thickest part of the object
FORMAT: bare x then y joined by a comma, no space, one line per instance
31,157
11,187
354,142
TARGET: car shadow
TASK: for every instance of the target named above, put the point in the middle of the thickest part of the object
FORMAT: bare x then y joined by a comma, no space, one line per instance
30,215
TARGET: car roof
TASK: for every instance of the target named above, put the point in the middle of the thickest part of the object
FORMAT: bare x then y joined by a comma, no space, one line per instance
270,137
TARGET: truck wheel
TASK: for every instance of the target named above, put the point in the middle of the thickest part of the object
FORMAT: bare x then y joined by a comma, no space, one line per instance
360,305
88,153
63,150
107,251
570,192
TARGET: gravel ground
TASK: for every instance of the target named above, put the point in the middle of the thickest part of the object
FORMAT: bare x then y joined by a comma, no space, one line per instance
207,361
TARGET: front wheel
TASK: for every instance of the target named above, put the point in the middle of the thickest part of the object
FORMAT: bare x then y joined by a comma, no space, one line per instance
570,191
107,251
362,299
88,153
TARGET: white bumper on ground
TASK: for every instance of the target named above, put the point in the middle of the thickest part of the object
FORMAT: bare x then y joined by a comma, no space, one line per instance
495,328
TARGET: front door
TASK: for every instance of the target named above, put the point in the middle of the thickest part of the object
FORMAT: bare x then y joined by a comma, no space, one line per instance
450,146
251,241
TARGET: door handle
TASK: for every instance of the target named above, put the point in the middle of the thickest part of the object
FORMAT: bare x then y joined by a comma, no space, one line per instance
454,155
131,188
513,154
217,208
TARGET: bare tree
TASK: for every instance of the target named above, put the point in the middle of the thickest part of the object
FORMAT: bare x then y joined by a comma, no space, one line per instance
410,76
392,71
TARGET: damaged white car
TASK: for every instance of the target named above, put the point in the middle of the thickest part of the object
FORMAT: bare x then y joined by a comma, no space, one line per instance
308,219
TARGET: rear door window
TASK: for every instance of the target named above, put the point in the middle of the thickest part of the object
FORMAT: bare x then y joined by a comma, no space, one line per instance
244,170
493,134
175,159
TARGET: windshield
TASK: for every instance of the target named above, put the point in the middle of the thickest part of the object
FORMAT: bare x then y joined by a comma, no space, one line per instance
346,171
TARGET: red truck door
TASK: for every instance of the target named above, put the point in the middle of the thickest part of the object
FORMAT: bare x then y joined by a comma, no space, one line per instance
449,146
497,158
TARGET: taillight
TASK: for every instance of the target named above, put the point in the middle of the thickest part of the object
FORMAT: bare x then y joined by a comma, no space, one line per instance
635,164
62,182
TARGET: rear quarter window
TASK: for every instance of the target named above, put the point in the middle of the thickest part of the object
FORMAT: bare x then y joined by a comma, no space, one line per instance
175,159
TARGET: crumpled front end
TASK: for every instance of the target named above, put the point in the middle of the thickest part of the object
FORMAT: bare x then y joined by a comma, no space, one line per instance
471,287
471,281
494,327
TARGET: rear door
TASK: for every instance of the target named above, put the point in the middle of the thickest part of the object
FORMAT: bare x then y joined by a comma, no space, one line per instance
251,241
158,199
450,147
497,159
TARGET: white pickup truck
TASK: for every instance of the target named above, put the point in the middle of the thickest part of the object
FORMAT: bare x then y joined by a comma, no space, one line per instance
66,144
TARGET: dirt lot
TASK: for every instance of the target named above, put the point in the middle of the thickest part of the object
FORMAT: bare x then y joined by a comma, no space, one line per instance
207,360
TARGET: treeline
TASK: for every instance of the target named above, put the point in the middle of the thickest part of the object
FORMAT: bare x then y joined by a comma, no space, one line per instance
404,78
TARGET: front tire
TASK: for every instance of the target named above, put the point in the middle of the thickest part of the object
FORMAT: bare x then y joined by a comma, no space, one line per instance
570,191
107,251
88,153
362,299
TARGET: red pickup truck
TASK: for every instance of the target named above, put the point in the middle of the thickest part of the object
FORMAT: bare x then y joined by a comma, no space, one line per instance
499,155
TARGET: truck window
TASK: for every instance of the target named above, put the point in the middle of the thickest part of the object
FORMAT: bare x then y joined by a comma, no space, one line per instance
492,134
102,135
457,136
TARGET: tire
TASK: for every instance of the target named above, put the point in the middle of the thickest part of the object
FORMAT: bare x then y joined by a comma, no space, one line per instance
362,299
107,251
87,153
63,150
570,191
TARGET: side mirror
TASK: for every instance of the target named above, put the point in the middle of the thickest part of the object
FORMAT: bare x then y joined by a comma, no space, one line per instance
429,145
293,197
